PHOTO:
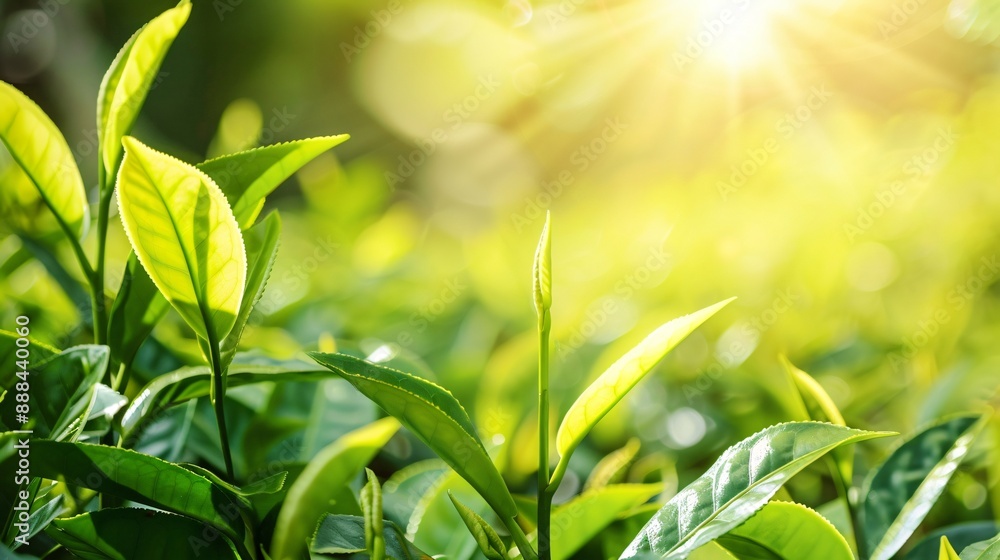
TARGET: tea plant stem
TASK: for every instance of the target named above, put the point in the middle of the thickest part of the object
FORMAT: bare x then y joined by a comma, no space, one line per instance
100,311
219,402
544,500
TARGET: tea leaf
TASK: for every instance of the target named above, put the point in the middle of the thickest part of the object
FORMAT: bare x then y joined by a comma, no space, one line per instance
612,386
127,533
262,248
247,177
435,416
39,352
137,308
740,482
486,537
141,478
40,149
371,507
338,535
900,492
310,496
613,467
194,382
185,236
130,77
986,550
62,388
947,552
542,272
786,531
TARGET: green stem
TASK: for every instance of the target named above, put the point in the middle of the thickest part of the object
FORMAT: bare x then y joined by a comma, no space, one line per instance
544,499
97,282
520,539
219,402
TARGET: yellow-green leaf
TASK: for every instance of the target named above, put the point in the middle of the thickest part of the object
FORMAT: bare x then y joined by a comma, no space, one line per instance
610,388
130,77
41,151
947,552
786,531
185,236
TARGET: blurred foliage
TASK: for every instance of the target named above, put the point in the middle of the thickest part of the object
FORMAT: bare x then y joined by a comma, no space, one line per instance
832,164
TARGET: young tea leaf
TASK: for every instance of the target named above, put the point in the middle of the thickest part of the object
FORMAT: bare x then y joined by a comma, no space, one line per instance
247,177
900,492
435,416
310,496
946,551
40,149
786,531
612,386
613,467
542,272
130,77
185,236
371,507
486,537
740,482
128,533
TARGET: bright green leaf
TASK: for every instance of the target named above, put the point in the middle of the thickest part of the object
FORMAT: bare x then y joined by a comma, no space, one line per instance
901,491
130,533
435,416
185,236
610,388
740,482
247,177
130,77
371,507
786,531
310,496
40,149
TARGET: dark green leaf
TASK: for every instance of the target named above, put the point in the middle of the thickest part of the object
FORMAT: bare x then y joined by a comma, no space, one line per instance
132,533
900,492
338,535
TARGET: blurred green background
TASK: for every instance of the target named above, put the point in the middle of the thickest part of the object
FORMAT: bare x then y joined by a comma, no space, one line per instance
833,164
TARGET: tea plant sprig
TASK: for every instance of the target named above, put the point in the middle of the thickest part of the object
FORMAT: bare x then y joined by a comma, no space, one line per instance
542,288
